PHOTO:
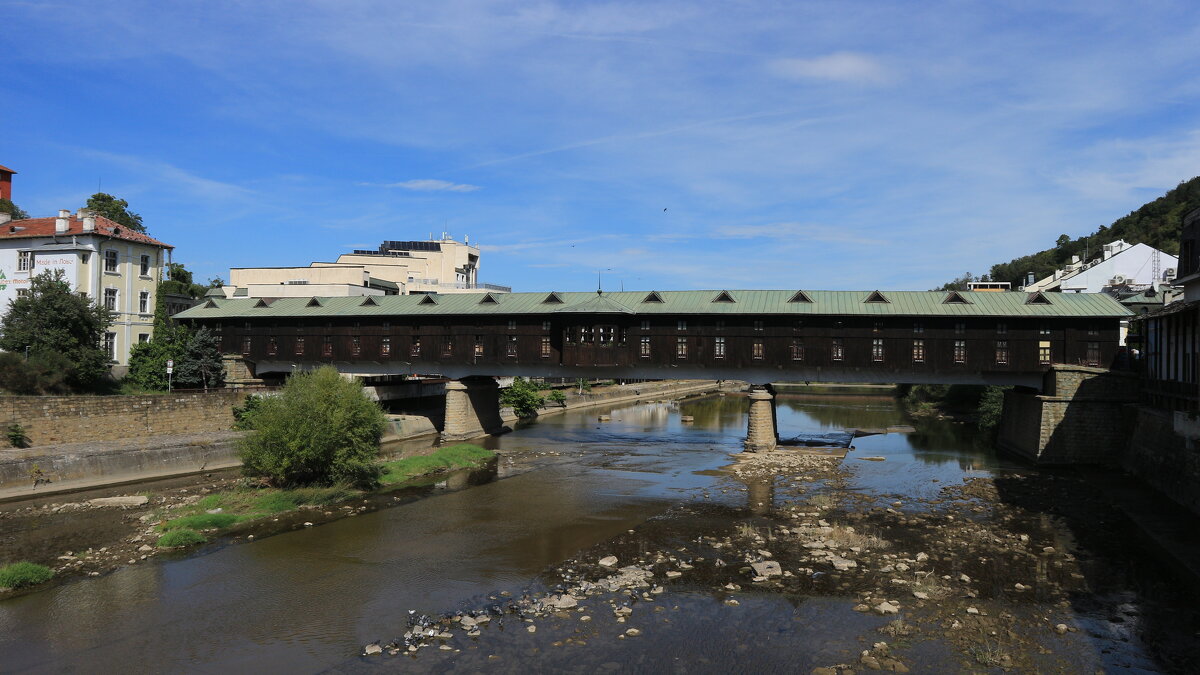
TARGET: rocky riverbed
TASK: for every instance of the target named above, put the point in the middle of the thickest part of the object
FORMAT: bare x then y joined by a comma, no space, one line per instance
983,575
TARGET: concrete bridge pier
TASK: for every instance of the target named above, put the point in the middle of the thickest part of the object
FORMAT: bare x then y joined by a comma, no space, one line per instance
472,409
761,432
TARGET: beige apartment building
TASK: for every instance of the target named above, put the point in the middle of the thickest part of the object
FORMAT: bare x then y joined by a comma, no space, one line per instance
307,282
117,267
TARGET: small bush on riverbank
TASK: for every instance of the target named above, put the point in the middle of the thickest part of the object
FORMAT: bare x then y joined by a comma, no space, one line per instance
180,538
461,456
201,521
20,574
523,396
321,429
247,504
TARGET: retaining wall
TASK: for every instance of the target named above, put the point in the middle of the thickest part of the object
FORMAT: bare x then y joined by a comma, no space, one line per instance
1164,459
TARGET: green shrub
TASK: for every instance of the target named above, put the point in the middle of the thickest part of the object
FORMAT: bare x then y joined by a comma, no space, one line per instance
321,429
201,521
21,574
44,372
180,538
243,415
16,436
558,397
523,397
991,406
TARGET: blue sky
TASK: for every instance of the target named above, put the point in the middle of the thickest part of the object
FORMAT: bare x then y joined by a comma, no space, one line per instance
822,145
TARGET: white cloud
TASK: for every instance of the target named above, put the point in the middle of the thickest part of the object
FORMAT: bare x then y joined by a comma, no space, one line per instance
428,185
850,67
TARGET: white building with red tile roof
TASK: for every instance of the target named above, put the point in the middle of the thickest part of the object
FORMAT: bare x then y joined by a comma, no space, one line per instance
117,267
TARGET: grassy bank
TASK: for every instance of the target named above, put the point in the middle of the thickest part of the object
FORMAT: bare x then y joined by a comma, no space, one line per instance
20,574
222,510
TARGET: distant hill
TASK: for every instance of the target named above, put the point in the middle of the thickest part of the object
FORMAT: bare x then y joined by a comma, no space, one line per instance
1156,224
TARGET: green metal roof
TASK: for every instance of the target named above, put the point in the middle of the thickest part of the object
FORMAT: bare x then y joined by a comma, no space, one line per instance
845,303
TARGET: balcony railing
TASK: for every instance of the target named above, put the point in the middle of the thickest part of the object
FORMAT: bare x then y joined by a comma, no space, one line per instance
460,285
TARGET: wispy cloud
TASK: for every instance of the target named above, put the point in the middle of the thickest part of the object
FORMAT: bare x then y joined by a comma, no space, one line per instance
849,67
428,185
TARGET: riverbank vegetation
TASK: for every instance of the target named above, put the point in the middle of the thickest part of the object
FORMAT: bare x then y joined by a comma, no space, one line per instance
451,458
21,574
981,404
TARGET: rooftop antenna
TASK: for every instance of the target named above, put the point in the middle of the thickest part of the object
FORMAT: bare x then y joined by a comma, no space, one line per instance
1156,270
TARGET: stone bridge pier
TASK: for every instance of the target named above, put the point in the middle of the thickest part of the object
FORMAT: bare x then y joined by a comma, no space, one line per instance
472,409
761,428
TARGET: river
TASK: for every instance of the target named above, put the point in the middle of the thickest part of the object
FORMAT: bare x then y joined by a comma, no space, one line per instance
309,599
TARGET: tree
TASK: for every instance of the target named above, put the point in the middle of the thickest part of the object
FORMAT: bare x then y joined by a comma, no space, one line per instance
321,429
200,365
960,284
197,357
116,210
523,396
12,209
177,272
53,319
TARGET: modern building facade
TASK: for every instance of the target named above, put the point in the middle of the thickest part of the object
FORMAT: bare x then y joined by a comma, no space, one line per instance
113,265
1120,266
314,281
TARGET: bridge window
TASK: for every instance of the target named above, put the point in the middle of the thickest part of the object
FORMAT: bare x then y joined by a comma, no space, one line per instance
327,347
758,325
877,327
960,351
606,334
299,345
1045,355
877,350
569,335
645,325
512,324
719,348
681,325
510,347
645,348
387,325
960,328
586,335
385,346
681,348
918,351
720,325
246,326
797,350
1001,352
272,346
478,346
246,344
355,346
918,327
415,348
1091,329
1043,329
448,348
837,351
545,348
1092,355
1002,329
757,351
545,325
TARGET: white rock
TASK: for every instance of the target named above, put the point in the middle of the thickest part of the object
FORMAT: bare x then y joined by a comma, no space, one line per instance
886,608
633,632
609,561
972,610
372,649
922,557
1061,629
769,568
307,524
135,500
920,595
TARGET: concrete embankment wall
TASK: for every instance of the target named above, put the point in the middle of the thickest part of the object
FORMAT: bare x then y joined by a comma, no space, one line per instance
1163,458
50,420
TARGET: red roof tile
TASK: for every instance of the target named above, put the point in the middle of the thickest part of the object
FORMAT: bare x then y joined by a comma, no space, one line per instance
5,169
44,227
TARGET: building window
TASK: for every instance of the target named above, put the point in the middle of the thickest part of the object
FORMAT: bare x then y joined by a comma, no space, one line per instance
1092,355
545,325
719,348
645,325
512,324
24,261
272,346
478,346
448,348
758,325
144,267
918,351
1092,330
586,335
110,299
110,346
720,325
24,293
327,346
960,328
1001,352
143,338
681,325
1002,329
918,327
545,348
960,351
299,345
415,348
837,351
681,348
144,302
385,346
878,326
1043,329
645,349
877,350
757,350
356,346
797,350
246,344
387,325
110,261
606,334
510,348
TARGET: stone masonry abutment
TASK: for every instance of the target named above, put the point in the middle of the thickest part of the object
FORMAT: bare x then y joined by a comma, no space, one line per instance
472,409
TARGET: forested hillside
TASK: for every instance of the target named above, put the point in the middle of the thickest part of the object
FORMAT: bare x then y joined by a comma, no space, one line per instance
1156,224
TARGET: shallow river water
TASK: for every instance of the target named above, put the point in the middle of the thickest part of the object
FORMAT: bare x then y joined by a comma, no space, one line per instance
309,599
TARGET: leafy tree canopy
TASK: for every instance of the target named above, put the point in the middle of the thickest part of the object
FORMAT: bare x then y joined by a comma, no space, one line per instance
13,210
54,319
116,210
197,357
523,396
180,282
